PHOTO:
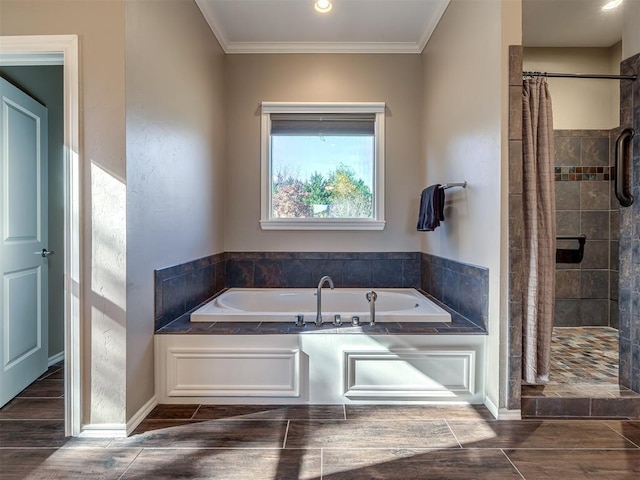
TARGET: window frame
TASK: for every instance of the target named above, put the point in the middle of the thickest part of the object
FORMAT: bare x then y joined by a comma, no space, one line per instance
267,222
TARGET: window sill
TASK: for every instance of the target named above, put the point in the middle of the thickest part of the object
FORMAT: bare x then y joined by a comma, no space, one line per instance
322,224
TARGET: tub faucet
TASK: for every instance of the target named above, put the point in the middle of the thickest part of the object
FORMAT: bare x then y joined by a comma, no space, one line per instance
324,279
371,298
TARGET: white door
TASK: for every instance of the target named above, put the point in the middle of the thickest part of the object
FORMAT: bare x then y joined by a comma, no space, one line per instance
23,241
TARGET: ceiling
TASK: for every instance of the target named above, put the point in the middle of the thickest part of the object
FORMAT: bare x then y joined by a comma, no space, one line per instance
570,23
281,26
390,26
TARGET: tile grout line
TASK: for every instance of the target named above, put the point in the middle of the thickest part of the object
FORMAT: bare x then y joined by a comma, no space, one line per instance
194,413
452,433
622,435
130,463
286,433
512,464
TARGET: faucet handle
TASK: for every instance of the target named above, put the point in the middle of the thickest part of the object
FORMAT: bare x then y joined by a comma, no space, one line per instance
337,320
300,320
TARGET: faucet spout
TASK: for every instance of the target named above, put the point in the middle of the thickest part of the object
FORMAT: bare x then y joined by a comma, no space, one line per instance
371,298
322,281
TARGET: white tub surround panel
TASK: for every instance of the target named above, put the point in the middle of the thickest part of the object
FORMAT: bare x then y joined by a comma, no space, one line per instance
319,368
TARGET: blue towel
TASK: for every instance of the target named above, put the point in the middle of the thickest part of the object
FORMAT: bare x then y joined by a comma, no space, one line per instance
431,208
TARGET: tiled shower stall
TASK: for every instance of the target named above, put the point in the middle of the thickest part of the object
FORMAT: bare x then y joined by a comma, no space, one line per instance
585,206
586,292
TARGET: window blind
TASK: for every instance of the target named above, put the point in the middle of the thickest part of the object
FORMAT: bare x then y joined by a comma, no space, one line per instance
332,124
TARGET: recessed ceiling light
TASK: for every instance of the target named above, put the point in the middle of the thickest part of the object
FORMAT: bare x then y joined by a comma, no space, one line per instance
612,4
323,6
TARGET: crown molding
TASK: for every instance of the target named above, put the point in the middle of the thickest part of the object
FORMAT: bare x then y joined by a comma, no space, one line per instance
214,24
322,47
229,47
432,23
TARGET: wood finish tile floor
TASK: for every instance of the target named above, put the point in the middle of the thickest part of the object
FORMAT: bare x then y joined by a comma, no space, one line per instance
337,442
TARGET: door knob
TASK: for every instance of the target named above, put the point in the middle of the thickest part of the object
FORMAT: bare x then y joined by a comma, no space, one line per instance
45,253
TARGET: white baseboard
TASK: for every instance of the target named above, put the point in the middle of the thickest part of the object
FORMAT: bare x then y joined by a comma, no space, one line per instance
141,415
104,430
118,430
58,357
493,409
506,414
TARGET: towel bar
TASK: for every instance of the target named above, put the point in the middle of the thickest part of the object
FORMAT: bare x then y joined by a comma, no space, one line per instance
445,186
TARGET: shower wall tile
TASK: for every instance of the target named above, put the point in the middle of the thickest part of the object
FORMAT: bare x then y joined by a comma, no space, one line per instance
568,284
594,284
515,166
516,222
614,224
613,285
515,65
613,315
594,312
567,195
516,278
516,229
567,312
515,112
596,255
595,224
594,195
624,364
567,222
567,150
595,150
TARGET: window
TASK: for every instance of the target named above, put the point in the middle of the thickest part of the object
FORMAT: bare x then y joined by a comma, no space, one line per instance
322,166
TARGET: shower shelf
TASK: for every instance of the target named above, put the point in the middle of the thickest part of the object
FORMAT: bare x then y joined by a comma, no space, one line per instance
571,255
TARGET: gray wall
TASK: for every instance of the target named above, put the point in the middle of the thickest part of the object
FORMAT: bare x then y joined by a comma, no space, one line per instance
175,142
393,79
44,83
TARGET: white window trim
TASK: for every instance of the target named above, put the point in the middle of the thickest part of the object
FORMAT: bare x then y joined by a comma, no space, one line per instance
375,223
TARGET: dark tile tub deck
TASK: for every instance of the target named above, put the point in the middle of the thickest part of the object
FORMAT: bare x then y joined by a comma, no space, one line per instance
459,326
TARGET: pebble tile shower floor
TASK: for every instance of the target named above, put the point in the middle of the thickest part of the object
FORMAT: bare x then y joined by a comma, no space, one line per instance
327,442
584,355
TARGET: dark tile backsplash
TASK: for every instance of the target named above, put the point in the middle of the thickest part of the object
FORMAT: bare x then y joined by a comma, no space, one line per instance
180,288
460,286
304,269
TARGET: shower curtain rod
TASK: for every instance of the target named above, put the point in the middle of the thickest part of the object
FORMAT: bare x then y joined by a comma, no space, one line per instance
580,75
